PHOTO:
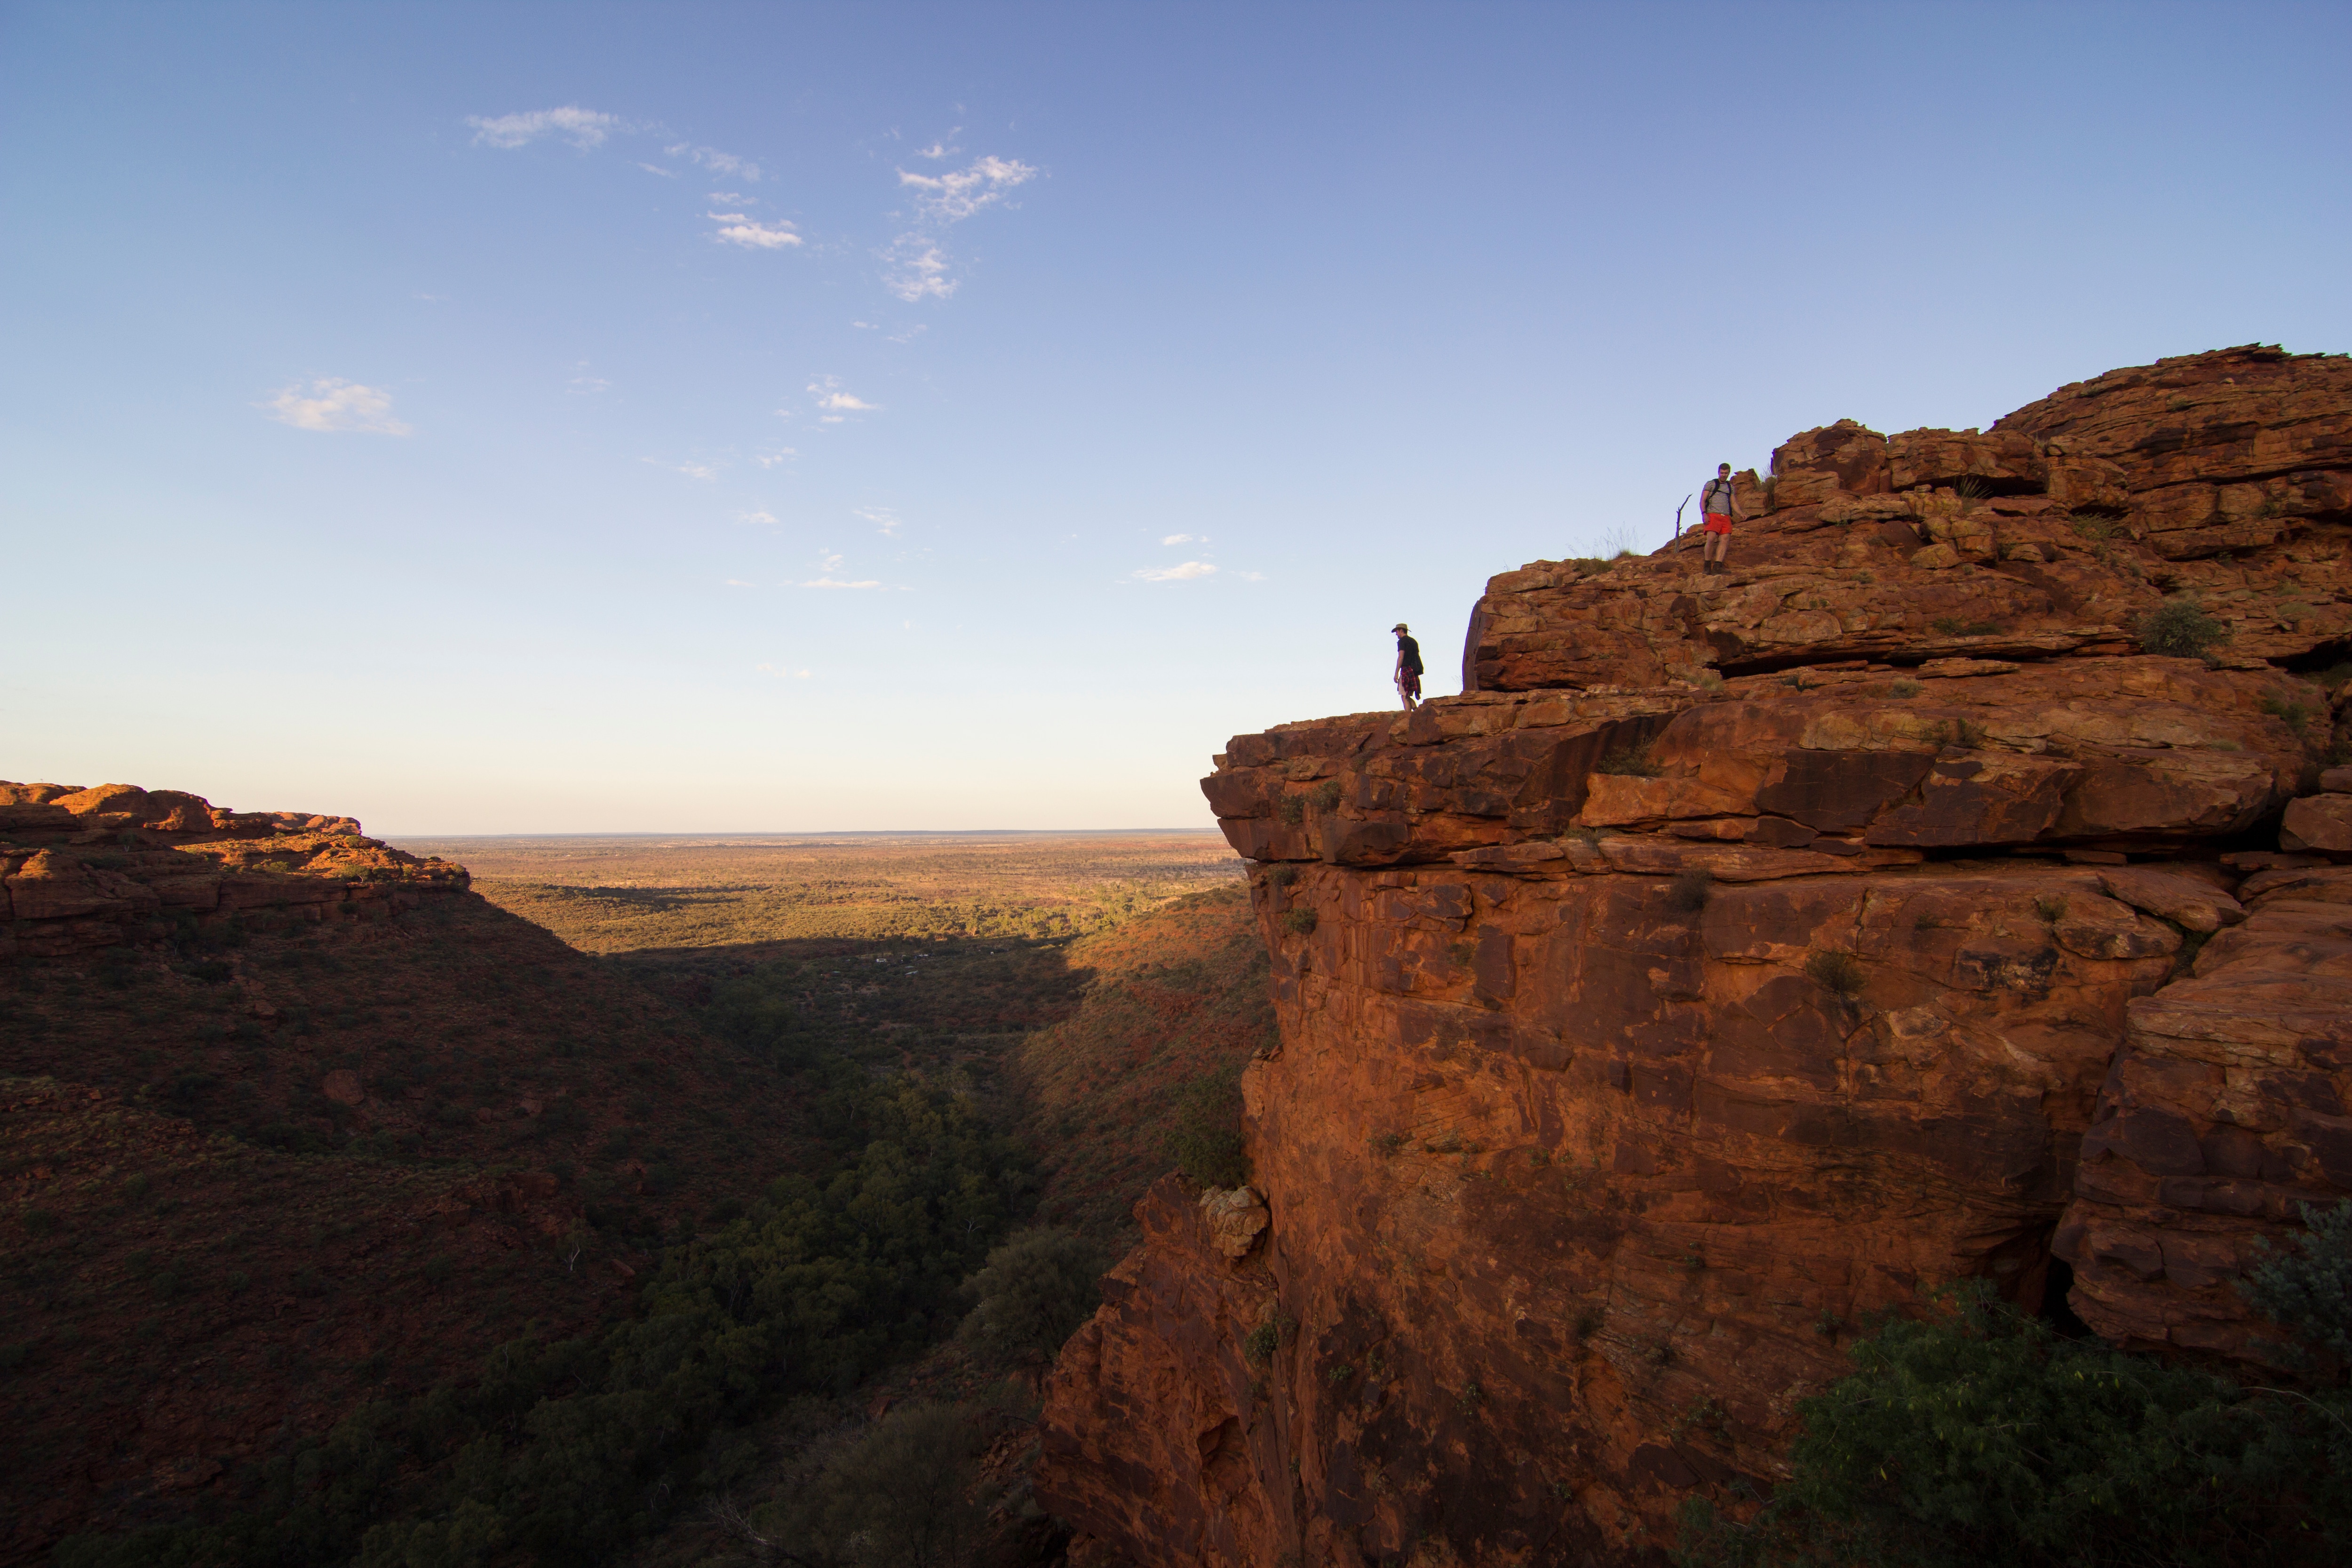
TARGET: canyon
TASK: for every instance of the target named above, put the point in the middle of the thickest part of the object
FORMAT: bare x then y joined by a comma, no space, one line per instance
1960,886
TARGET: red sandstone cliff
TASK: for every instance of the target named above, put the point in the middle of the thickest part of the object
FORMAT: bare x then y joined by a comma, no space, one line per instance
97,868
1740,956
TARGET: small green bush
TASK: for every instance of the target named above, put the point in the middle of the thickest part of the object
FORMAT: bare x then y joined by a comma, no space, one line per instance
1629,762
1300,922
897,1496
40,1222
1261,1342
2053,909
1034,1291
1905,689
1838,971
1292,809
1327,795
2307,1289
2180,628
2294,715
1207,1140
1984,1437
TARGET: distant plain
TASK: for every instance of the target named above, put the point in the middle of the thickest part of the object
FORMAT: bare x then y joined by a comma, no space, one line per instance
623,893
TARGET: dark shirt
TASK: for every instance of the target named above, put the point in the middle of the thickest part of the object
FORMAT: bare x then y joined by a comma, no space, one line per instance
1412,652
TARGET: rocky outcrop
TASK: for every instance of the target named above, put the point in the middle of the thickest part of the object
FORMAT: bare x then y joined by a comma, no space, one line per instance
86,869
1745,956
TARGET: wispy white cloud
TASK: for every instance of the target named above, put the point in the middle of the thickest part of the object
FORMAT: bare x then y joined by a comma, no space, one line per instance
780,672
584,128
734,199
772,456
691,471
757,519
1250,576
915,267
332,404
952,198
711,158
738,583
1186,539
826,390
835,582
585,385
1187,573
658,169
735,228
909,336
944,147
882,518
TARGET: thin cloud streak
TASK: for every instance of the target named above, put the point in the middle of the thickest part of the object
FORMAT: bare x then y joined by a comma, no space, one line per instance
753,235
713,159
336,405
583,128
1189,572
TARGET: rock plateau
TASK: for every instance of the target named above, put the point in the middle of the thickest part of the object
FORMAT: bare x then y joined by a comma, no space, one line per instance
1740,957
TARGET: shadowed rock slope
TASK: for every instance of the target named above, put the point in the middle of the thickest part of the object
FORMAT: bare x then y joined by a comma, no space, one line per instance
1954,889
290,1121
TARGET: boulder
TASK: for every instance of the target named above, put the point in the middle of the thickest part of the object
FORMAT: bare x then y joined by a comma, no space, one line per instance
2319,825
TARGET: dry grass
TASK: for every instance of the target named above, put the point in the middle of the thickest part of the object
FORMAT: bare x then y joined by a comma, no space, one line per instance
609,894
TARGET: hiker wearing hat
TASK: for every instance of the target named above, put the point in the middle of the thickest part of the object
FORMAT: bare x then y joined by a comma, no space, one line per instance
1408,666
1719,501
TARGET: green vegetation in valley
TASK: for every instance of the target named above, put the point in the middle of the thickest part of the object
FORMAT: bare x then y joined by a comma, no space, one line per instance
815,1152
569,1449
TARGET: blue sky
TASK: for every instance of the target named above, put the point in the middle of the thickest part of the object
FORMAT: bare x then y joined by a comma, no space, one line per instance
511,418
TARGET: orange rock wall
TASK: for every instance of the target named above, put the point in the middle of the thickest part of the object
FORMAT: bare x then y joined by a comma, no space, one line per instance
1744,955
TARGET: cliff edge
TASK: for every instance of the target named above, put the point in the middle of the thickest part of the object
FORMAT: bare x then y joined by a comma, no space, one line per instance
1960,886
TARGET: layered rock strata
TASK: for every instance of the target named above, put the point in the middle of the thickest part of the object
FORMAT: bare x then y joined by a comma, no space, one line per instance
1741,957
90,868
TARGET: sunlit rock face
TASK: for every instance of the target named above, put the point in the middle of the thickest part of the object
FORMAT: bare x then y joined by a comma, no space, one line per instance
1742,956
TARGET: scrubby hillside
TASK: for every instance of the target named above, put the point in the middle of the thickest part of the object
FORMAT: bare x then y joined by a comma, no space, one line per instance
293,1121
1176,1001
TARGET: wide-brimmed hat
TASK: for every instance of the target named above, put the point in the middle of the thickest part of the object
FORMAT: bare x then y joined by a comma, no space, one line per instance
1398,627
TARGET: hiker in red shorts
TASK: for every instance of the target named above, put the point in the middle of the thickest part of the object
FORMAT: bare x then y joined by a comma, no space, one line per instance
1720,503
1408,666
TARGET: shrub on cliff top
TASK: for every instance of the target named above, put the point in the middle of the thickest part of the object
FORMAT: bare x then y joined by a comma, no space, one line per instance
2180,628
